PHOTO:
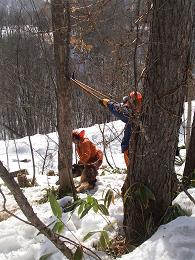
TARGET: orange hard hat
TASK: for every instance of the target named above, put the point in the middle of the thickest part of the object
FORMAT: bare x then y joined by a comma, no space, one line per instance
78,135
136,94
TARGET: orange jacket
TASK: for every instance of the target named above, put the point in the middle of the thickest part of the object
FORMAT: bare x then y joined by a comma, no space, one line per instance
88,152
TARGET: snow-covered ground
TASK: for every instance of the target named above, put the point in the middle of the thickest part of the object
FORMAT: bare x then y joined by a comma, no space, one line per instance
19,241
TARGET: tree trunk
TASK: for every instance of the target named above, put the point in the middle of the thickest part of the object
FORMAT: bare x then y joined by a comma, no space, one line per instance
188,124
191,87
61,33
189,169
152,163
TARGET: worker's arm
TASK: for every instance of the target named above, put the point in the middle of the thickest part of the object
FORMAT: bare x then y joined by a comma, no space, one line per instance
120,112
116,109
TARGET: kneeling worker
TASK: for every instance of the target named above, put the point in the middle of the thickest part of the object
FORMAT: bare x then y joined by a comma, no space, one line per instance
90,159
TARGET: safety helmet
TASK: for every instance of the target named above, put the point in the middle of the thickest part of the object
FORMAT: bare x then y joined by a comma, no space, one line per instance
136,95
76,135
136,99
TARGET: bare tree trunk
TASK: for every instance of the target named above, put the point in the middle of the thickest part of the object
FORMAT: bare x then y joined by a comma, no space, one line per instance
61,33
33,161
6,149
188,125
29,213
191,87
189,169
152,163
17,154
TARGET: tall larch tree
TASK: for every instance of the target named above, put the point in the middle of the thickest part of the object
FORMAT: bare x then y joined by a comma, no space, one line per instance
61,32
152,162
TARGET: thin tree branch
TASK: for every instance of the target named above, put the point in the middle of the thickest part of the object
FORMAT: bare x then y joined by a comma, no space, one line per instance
9,212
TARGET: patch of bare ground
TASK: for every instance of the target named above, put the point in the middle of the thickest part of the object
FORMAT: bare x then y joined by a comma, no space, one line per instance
5,215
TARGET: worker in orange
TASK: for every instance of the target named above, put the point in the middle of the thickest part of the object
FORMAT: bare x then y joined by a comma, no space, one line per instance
90,159
125,111
88,153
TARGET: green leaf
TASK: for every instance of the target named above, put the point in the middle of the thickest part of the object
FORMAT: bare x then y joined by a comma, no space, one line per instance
95,207
89,199
103,209
78,255
173,212
56,209
81,207
109,226
58,227
45,257
86,210
103,242
144,194
108,198
149,193
89,235
128,194
72,206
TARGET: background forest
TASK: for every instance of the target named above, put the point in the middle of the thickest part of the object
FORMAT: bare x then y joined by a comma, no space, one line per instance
102,55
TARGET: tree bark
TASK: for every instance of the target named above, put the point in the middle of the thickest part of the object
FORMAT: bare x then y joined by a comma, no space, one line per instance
61,33
188,124
152,163
29,213
189,169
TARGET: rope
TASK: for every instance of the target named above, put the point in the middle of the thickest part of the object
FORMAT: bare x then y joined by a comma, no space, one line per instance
95,91
91,90
86,89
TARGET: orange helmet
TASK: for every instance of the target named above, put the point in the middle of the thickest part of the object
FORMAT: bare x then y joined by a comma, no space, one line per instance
137,95
78,135
136,98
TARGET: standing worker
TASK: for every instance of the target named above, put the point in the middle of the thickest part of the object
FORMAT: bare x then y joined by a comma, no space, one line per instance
130,106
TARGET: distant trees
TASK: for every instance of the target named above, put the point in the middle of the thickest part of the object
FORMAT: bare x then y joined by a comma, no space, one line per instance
102,36
27,85
148,185
102,51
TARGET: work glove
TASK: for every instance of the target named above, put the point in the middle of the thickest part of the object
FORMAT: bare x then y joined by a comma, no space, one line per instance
104,102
